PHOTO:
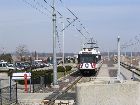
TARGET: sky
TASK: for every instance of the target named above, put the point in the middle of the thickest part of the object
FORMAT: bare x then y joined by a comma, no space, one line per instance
28,22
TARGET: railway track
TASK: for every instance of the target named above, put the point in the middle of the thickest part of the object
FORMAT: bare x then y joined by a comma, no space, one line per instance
51,102
133,69
73,80
64,86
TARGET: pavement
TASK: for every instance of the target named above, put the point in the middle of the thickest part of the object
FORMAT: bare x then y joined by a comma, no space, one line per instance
107,70
98,92
110,70
32,98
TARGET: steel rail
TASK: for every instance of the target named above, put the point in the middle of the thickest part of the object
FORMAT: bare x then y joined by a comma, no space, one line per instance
51,102
129,67
61,93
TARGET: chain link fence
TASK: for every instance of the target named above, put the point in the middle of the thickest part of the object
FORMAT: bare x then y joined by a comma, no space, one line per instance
8,94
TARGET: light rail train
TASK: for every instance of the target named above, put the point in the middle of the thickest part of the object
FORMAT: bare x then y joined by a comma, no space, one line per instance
89,61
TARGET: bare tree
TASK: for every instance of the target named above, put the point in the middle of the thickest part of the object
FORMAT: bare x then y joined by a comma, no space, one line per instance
22,52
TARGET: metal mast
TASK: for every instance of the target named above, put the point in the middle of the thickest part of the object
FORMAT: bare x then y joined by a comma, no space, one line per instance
92,43
54,46
63,42
118,74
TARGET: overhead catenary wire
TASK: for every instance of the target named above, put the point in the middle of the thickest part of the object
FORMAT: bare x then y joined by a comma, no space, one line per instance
70,22
44,10
79,31
131,43
74,16
36,8
37,3
69,9
53,8
63,16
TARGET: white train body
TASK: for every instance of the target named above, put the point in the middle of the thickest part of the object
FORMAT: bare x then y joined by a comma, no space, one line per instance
89,61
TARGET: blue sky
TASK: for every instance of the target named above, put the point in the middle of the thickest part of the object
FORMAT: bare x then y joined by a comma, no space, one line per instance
104,20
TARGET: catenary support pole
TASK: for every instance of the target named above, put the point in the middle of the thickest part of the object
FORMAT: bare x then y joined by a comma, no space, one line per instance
63,56
54,46
0,94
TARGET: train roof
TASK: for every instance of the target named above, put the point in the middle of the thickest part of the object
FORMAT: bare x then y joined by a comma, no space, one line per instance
88,51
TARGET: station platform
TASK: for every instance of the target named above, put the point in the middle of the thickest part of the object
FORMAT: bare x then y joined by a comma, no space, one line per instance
107,89
110,69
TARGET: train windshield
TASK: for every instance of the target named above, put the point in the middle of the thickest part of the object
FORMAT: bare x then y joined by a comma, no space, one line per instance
87,58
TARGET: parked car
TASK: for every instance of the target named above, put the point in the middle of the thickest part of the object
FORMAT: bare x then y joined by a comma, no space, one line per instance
46,64
4,66
26,65
39,63
19,65
10,65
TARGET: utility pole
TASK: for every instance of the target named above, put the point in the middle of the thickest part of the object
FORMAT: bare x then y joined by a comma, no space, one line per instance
54,46
63,26
63,45
118,74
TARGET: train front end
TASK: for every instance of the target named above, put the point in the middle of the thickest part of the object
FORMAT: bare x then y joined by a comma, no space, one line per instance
87,61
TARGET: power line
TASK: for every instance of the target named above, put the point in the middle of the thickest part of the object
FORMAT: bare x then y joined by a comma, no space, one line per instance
62,15
79,31
67,19
36,8
74,16
70,22
131,43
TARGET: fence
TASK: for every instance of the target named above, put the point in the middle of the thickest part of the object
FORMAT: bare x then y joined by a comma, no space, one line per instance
8,95
39,84
36,85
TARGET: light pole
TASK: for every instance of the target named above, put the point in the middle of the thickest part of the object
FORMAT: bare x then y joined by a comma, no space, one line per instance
131,59
132,65
108,56
118,73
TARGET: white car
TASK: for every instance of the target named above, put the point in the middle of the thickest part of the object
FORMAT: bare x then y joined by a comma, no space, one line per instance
4,66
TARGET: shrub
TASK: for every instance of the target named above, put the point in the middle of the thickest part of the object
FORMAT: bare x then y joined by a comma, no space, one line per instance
60,69
68,68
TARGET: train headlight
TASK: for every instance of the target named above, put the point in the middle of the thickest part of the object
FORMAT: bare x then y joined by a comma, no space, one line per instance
97,56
